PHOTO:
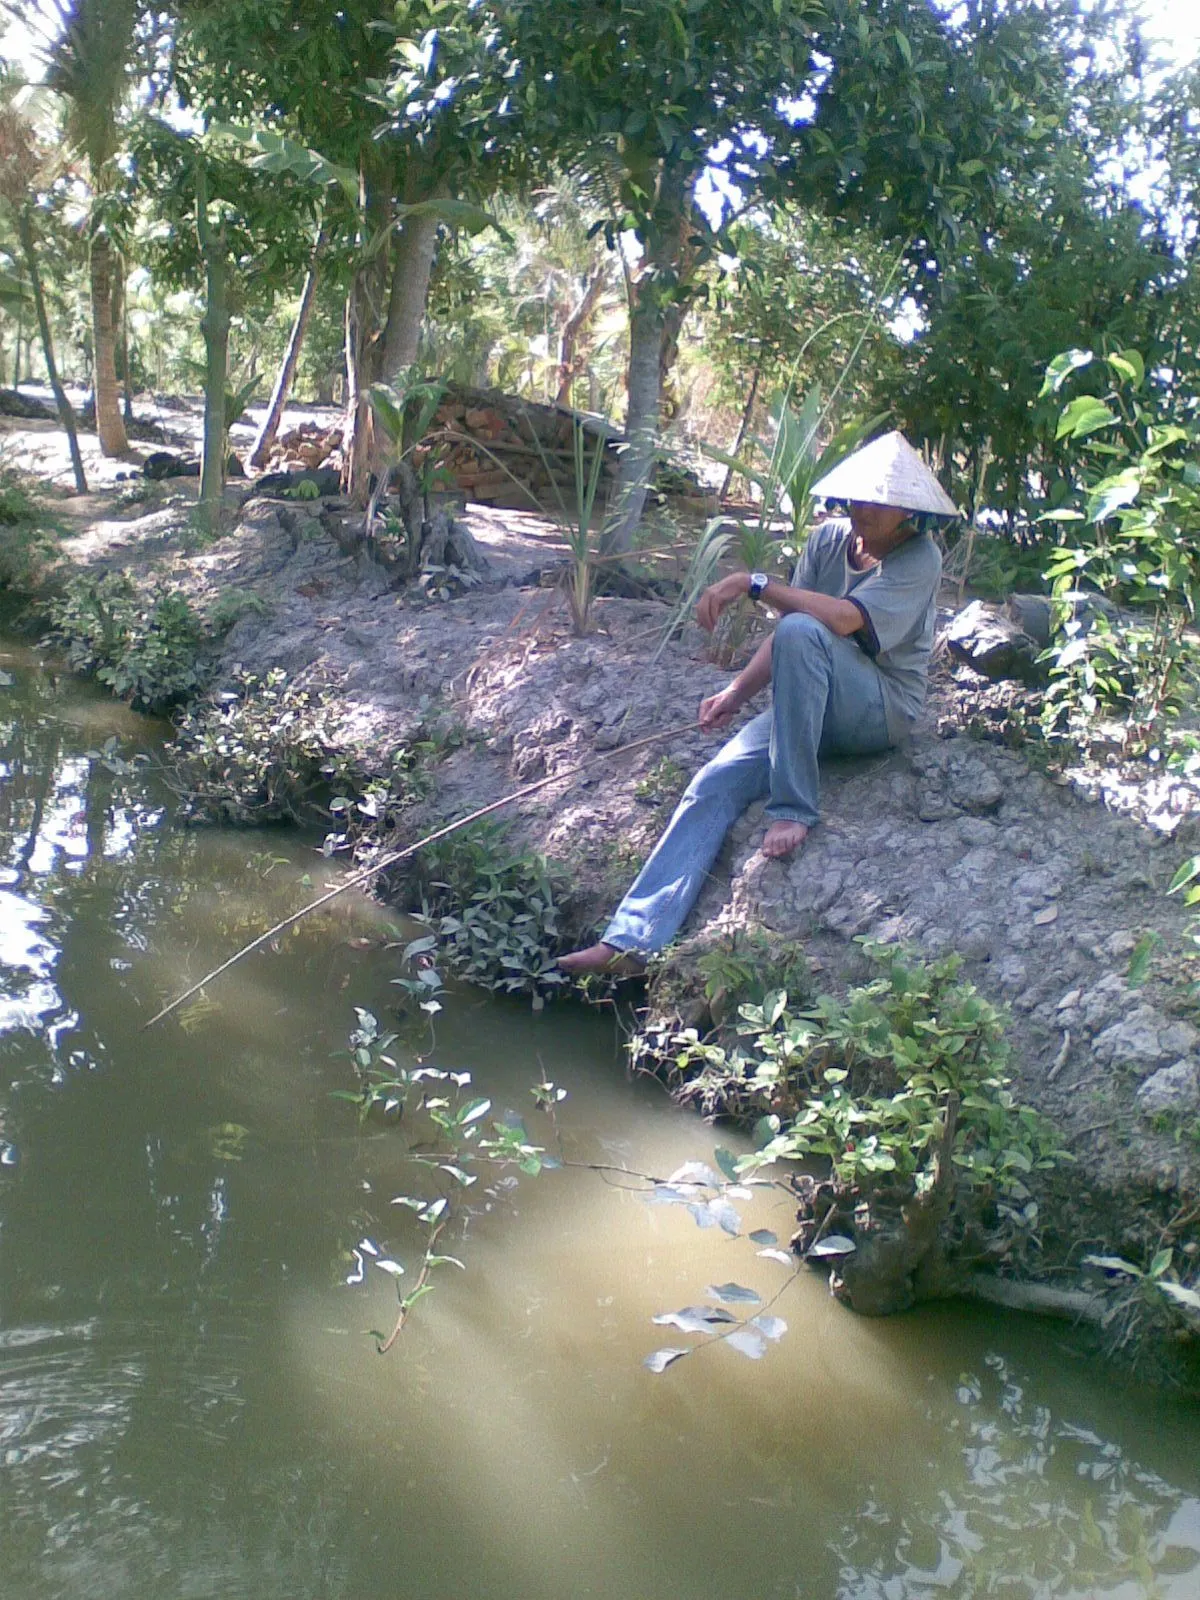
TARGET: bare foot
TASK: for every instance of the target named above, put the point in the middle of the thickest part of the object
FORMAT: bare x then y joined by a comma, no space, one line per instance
782,838
604,958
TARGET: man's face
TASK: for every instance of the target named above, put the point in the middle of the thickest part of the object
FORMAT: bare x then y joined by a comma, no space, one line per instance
874,521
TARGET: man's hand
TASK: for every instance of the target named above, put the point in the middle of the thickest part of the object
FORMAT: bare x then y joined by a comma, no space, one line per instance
720,708
719,595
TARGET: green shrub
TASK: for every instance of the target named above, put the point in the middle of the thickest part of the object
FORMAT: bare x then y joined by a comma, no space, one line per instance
495,911
146,646
26,536
273,750
867,1083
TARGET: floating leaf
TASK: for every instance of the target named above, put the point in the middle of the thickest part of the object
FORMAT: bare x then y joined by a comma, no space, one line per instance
734,1293
457,1173
773,1327
695,1172
694,1319
473,1112
727,1161
749,1342
1046,915
836,1244
369,1246
781,1256
763,1236
392,1268
445,1261
662,1359
663,1195
725,1216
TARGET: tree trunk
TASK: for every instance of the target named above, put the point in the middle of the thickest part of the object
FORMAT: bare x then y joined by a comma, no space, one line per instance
215,328
743,428
412,265
66,415
287,372
365,326
110,430
121,319
593,288
644,388
654,319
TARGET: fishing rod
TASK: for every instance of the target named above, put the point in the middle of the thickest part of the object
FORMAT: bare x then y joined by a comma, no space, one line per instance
394,856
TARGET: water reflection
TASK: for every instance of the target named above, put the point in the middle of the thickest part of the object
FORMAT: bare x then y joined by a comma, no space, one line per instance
189,1404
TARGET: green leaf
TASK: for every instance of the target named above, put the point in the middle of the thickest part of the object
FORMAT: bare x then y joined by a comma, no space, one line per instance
1061,368
1161,1262
1128,364
1139,961
1109,495
1113,1264
1186,873
1185,1297
1083,416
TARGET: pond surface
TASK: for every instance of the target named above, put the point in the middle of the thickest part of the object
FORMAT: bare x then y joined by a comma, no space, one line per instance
191,1405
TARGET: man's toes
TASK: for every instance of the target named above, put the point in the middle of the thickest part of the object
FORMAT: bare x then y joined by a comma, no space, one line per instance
782,838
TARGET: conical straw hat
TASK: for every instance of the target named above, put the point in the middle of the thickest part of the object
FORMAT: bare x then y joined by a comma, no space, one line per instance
887,472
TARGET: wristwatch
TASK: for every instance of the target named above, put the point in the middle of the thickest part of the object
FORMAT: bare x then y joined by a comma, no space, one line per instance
758,585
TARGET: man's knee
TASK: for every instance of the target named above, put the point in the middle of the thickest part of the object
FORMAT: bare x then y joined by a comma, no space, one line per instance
798,633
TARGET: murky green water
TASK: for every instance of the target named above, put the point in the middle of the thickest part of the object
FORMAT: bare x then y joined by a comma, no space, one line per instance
189,1406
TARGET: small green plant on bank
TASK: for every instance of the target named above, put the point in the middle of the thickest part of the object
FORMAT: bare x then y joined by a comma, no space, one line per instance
865,1082
27,538
272,750
665,781
1127,520
145,646
495,910
1156,1290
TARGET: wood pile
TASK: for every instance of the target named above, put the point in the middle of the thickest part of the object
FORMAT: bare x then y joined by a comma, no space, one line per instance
502,451
310,445
497,450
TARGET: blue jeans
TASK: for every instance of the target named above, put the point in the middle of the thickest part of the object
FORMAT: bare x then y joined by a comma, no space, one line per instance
826,700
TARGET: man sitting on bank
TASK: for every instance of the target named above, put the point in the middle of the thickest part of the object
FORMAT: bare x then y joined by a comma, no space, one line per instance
847,665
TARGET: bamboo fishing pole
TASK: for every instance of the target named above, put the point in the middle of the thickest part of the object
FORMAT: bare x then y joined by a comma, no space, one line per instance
394,856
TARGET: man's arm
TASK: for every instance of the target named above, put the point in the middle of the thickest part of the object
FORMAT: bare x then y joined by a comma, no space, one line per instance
839,616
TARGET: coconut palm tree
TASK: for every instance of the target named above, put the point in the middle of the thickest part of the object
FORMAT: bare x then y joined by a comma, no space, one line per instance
89,66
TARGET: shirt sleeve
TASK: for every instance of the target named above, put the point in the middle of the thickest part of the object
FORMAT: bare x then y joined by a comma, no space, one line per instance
807,572
894,599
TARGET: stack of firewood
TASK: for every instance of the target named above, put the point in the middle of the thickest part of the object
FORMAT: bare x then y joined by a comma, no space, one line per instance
515,453
496,449
309,445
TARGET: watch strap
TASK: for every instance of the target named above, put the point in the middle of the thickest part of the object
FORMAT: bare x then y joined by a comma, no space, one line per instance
758,584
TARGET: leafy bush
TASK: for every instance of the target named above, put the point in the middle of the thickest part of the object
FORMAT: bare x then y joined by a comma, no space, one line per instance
1128,523
495,911
869,1082
272,750
146,646
26,538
